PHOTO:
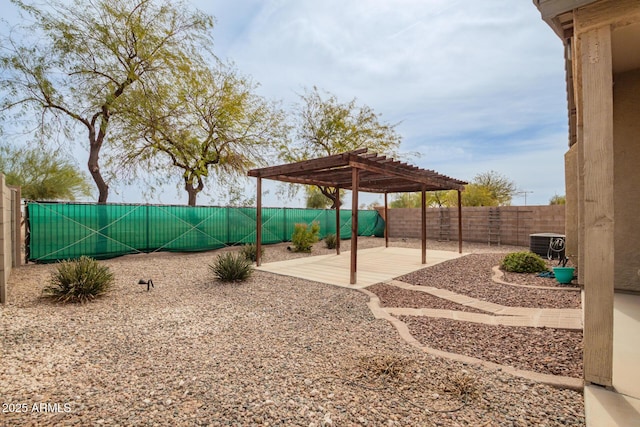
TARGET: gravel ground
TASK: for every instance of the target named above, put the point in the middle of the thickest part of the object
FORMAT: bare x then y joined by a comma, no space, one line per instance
544,350
471,276
392,296
270,351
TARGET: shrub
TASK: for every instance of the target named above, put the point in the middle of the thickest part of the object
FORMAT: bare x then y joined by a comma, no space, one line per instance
331,241
81,280
232,267
250,251
304,236
523,262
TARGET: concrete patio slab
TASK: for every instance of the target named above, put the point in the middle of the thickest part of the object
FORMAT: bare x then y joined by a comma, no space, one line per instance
375,265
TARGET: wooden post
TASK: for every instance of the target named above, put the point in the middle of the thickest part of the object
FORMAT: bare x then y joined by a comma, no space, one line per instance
459,222
386,222
338,222
258,221
597,95
355,182
423,224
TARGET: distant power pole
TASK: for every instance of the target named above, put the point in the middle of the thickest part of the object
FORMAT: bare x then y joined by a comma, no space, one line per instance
524,193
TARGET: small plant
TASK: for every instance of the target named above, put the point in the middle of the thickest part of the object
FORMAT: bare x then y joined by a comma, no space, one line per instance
523,262
462,385
383,365
304,236
250,251
81,280
232,267
330,241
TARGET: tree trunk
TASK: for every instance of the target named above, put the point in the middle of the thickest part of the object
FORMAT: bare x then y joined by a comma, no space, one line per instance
94,170
332,194
192,190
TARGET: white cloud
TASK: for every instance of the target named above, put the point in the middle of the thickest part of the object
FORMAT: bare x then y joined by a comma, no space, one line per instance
476,85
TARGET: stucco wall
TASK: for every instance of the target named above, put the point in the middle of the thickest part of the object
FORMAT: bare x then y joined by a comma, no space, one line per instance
626,136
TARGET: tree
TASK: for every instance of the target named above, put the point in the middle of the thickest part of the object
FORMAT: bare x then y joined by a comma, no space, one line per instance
477,195
198,121
434,199
326,126
43,175
406,200
87,56
558,200
317,200
501,188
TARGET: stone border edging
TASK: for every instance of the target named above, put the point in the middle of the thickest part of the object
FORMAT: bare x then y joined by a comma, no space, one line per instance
553,380
498,275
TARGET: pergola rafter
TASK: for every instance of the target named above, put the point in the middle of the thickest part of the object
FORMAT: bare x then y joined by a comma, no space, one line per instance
359,170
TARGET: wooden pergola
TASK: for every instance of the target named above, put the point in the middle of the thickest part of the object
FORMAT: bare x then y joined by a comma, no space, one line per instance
357,171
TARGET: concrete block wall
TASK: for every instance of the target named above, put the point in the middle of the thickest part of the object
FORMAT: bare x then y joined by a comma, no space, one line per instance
511,225
9,234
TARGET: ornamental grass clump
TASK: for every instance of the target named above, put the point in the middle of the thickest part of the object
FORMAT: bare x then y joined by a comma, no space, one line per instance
331,241
523,262
81,280
304,236
250,251
231,267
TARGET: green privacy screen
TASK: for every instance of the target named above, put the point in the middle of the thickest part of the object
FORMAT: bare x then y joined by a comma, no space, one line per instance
59,231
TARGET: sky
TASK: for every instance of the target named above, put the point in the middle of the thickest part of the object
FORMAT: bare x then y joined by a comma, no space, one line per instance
473,85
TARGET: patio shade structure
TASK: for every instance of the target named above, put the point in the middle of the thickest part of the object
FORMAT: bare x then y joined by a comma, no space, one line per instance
359,170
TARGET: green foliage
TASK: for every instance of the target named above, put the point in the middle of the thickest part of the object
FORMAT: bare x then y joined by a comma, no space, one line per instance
324,126
250,251
42,175
558,200
316,199
478,195
331,241
231,267
500,188
304,236
406,200
523,262
198,126
81,280
74,64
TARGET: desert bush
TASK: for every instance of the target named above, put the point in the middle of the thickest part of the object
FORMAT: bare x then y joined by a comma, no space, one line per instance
523,262
331,241
80,280
231,267
304,236
250,251
462,385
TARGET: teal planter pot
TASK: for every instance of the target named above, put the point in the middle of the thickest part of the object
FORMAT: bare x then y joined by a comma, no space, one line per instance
563,275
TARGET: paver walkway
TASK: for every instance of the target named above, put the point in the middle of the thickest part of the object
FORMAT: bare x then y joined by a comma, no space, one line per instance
564,318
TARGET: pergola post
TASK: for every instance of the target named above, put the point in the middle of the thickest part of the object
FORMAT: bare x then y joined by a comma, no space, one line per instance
459,222
355,178
423,225
258,221
338,221
386,222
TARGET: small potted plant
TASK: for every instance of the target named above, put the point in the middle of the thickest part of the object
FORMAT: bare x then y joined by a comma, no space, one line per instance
564,274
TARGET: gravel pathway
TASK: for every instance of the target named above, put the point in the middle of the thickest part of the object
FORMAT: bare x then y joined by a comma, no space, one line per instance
270,351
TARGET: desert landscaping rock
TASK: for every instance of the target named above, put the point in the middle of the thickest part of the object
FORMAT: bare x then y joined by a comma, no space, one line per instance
471,276
271,351
543,350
